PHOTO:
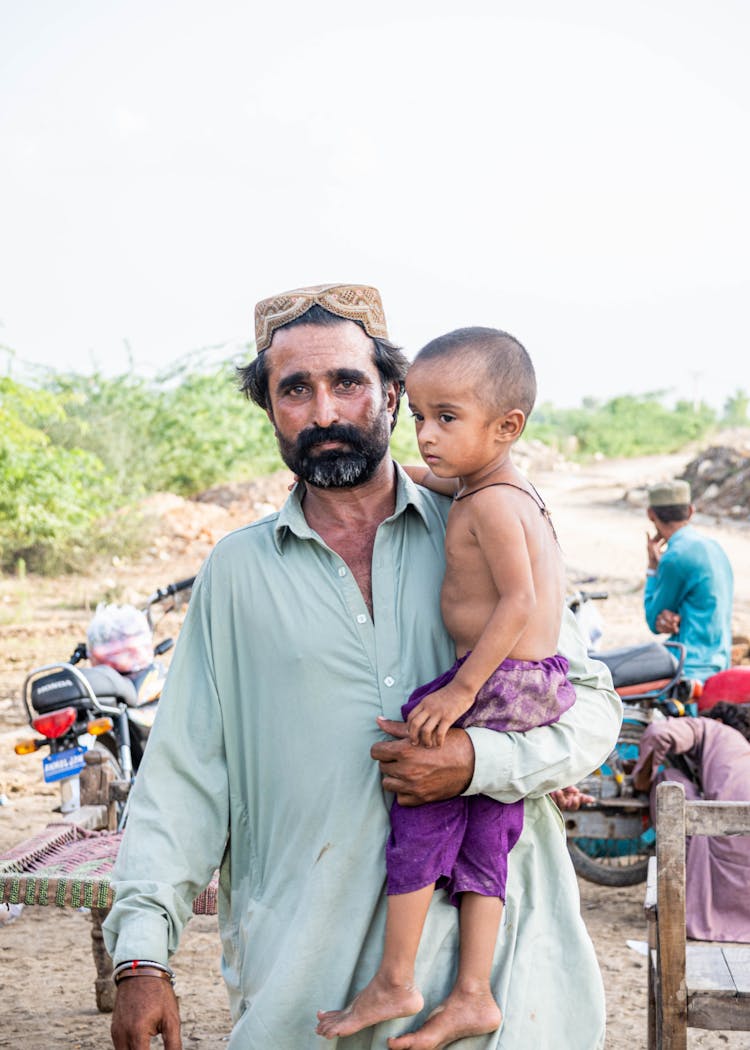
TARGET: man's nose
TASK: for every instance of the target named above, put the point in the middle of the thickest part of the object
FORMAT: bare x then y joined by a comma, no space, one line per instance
325,408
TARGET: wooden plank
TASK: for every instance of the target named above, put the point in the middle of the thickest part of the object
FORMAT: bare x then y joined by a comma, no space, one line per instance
93,818
718,1014
706,970
717,818
738,961
649,903
670,887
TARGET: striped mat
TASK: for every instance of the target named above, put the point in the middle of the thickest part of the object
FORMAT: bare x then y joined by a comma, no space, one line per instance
69,866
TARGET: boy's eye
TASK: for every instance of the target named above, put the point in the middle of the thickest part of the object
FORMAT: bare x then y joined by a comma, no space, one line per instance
446,417
418,416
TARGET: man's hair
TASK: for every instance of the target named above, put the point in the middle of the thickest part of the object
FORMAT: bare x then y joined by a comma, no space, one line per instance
389,359
735,715
504,374
672,512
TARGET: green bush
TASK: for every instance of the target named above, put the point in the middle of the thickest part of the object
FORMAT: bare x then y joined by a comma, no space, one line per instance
50,496
78,451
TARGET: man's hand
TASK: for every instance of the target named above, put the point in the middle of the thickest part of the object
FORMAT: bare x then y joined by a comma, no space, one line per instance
419,774
654,548
668,622
571,798
145,1007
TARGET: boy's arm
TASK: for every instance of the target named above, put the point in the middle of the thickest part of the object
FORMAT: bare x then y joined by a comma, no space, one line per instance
424,476
511,766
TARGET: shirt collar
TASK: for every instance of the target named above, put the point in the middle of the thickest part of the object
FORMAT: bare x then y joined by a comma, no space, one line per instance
677,537
292,519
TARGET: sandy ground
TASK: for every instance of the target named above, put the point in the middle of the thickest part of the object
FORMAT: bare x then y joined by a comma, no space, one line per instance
46,970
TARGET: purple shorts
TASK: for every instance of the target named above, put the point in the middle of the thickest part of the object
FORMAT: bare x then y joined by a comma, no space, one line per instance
462,843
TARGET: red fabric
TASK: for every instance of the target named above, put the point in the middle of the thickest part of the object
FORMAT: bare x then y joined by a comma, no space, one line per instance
732,685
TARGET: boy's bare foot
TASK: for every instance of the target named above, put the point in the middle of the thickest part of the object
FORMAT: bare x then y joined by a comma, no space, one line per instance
460,1016
379,1001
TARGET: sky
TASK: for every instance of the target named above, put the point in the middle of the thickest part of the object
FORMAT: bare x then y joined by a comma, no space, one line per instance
577,174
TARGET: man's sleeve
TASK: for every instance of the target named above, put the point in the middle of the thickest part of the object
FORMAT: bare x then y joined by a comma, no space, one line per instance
674,736
662,591
510,766
178,812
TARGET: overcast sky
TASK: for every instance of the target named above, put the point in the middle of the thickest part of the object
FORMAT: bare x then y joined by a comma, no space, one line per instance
577,173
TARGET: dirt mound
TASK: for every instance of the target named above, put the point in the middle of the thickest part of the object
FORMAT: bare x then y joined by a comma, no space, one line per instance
720,481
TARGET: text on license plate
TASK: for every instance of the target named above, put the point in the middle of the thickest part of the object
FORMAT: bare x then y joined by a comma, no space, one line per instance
63,764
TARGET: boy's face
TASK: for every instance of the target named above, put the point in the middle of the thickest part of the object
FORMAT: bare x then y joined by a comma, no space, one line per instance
457,433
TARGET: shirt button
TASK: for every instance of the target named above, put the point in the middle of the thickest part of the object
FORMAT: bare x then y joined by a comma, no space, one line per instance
361,618
342,571
388,681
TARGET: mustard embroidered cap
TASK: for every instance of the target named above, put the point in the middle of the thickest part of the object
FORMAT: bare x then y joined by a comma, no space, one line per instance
355,302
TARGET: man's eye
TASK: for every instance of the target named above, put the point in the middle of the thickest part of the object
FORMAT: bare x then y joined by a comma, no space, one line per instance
347,384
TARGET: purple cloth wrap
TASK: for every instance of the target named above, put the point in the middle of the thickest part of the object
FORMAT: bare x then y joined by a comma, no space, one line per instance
462,843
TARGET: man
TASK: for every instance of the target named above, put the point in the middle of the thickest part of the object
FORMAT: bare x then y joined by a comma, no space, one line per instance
710,756
689,583
303,628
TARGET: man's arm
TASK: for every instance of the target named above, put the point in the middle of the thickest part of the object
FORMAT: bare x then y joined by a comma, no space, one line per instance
175,834
663,593
510,766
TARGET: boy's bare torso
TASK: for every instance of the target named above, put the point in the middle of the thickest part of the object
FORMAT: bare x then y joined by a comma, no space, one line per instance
469,593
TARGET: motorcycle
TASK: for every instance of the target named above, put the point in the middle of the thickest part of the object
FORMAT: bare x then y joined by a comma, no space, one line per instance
610,840
96,720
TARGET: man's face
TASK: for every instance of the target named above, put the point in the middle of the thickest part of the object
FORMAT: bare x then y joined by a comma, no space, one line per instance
331,418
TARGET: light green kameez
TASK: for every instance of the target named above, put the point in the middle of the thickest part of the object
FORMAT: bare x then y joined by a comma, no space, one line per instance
259,761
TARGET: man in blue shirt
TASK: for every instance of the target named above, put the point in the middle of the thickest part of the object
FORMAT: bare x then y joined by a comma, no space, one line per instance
689,583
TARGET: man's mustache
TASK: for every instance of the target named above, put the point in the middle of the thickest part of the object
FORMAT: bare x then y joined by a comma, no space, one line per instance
313,436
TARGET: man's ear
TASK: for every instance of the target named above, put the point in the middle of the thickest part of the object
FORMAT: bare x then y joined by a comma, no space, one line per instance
392,392
510,426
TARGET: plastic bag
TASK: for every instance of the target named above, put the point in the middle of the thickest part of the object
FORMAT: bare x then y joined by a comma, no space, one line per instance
120,636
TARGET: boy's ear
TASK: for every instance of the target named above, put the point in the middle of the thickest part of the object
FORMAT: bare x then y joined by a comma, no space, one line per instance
510,426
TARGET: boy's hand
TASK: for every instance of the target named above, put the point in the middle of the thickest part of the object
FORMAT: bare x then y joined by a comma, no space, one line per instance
431,719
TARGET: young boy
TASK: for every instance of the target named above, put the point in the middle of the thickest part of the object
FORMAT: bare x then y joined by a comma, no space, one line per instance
470,393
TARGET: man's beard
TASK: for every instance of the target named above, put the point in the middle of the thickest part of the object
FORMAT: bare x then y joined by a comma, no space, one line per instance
336,468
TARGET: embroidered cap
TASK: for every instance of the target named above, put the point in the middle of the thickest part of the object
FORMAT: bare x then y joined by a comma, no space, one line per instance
669,493
355,302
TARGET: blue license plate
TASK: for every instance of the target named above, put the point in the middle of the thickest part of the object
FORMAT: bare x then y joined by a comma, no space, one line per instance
63,764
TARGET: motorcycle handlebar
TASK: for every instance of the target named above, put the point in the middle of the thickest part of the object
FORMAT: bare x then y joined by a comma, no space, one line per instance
171,588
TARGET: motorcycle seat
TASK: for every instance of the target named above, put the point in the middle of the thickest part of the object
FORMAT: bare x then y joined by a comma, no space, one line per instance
63,686
637,664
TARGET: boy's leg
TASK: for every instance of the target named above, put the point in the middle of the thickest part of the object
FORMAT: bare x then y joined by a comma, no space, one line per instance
470,1009
423,845
392,992
479,879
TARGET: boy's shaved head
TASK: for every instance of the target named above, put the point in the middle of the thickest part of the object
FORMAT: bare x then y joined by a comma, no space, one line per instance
503,372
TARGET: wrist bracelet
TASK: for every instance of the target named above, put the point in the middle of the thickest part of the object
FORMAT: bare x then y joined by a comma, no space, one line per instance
142,968
142,971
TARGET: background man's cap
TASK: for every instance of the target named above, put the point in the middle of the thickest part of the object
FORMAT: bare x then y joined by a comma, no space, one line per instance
355,302
669,493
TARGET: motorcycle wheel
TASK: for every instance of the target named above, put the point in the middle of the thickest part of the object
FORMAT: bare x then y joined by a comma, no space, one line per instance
614,862
626,870
107,745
